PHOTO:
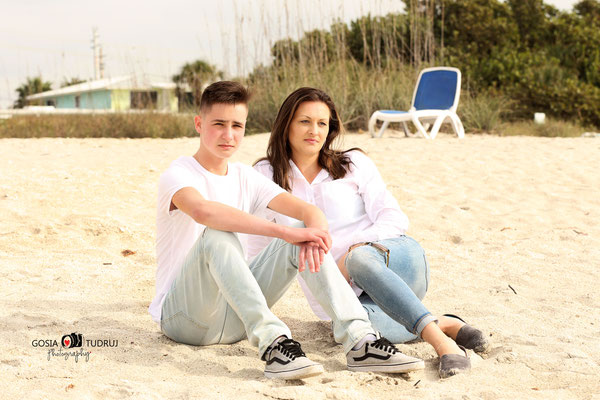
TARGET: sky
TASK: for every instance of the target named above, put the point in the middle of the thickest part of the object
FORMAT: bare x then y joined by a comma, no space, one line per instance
53,38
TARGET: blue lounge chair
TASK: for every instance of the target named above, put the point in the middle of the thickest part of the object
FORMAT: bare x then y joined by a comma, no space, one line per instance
434,102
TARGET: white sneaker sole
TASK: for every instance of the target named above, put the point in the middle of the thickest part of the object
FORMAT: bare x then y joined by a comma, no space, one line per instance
389,368
300,373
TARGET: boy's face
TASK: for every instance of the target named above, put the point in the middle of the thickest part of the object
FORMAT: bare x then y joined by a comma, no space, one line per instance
221,129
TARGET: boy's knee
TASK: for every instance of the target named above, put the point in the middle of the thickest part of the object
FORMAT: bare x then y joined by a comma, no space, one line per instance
214,239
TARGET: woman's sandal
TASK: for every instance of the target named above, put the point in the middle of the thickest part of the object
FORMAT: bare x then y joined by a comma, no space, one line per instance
469,337
452,364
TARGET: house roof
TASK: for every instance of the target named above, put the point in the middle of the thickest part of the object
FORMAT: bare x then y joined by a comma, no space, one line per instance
123,82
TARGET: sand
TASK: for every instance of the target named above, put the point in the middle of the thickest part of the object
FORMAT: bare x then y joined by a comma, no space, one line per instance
510,226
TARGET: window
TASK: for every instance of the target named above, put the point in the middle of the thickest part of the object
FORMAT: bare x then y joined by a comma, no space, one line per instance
77,101
143,99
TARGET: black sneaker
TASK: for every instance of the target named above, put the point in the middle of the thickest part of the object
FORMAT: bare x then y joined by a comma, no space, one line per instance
286,360
381,356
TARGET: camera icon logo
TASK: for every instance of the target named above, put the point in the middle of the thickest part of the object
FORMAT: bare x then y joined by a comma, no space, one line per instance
72,340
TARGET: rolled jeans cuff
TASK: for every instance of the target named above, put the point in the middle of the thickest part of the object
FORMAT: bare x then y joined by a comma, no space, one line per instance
422,322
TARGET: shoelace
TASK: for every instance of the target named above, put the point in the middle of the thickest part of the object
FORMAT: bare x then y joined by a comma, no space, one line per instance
290,348
385,345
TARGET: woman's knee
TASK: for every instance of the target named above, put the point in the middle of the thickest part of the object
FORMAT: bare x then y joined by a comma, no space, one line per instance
416,260
364,261
416,254
408,261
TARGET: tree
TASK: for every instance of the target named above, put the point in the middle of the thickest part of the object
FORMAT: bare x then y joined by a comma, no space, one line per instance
374,40
285,52
589,9
477,27
576,41
31,86
70,82
195,75
533,22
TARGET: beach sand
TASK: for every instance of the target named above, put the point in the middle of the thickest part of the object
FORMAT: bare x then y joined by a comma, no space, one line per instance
510,226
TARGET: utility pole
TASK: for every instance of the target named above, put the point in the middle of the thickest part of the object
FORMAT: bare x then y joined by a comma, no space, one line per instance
97,53
101,61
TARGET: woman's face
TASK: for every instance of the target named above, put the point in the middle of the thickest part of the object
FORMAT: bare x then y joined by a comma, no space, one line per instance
308,129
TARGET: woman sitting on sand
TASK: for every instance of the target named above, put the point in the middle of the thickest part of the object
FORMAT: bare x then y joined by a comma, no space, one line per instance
387,269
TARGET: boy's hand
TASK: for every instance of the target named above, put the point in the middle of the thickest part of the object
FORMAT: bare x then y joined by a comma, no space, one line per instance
311,254
313,242
300,236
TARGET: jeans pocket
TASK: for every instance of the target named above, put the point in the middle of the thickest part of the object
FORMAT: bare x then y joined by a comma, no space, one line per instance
183,329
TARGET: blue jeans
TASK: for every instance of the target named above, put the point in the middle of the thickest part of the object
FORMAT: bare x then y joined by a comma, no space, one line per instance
218,298
392,295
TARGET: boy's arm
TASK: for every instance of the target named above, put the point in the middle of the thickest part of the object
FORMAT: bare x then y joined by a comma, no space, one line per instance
312,216
222,217
294,207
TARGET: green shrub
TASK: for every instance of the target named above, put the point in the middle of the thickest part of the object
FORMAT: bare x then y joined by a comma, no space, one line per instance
569,99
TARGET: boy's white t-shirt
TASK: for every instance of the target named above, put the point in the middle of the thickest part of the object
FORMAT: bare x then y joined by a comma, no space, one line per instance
176,232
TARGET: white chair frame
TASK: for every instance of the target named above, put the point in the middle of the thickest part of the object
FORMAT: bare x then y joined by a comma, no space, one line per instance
422,119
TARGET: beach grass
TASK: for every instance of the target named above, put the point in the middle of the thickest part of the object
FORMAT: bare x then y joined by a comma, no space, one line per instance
117,125
551,128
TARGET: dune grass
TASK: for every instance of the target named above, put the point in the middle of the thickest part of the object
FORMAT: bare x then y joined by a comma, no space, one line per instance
478,116
551,128
118,125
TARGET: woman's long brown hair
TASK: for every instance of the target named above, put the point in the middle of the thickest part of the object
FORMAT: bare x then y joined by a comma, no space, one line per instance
279,151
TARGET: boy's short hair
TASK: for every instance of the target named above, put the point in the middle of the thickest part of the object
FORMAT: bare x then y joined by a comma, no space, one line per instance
227,92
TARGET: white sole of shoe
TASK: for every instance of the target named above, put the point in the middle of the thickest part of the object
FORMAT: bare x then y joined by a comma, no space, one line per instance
389,368
301,373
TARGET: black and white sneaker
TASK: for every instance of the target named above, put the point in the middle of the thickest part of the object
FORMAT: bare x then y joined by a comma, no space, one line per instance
286,360
381,356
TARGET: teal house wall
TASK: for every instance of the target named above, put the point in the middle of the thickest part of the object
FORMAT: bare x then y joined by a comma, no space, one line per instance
67,101
97,100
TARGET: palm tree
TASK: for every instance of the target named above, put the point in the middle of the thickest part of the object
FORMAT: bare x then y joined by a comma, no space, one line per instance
70,82
32,86
196,75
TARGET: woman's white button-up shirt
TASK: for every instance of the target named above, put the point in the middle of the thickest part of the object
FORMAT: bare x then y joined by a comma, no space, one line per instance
358,208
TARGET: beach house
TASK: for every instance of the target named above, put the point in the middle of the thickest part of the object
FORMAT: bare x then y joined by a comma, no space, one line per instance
112,94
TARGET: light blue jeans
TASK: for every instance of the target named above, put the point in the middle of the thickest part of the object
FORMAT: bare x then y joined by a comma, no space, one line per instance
392,295
218,298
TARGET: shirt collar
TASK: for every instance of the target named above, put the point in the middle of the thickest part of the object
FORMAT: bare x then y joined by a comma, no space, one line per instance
296,174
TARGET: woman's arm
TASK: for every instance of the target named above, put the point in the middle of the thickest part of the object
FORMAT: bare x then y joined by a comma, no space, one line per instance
380,205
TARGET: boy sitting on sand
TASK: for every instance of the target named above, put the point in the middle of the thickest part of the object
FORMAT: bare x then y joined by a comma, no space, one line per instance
207,293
